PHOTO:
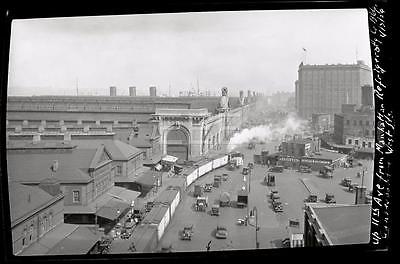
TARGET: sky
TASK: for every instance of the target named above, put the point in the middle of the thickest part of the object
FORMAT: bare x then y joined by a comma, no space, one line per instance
242,50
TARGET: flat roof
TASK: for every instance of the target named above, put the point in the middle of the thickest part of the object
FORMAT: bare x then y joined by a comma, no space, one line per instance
345,224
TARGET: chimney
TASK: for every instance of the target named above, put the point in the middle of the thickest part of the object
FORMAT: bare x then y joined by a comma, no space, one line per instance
249,93
113,91
132,91
367,95
153,91
36,138
361,193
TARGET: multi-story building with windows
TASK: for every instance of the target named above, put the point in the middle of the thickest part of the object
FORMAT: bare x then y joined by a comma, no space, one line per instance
324,88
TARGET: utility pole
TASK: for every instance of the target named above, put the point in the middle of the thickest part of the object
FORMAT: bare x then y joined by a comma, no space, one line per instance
77,90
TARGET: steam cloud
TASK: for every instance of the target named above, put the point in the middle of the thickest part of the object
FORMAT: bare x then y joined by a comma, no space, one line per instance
264,133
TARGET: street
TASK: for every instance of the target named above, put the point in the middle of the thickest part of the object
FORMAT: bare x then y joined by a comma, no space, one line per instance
273,226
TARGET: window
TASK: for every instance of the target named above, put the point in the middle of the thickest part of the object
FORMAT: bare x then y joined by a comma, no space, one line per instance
356,142
354,122
360,122
363,144
76,197
350,141
119,170
369,145
347,122
367,123
367,132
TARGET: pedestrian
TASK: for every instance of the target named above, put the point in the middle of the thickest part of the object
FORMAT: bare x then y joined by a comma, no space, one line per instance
208,246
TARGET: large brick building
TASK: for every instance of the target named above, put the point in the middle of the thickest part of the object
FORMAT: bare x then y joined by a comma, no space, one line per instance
324,88
186,127
356,126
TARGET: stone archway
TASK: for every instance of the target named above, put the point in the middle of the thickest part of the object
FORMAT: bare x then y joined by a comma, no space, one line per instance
178,143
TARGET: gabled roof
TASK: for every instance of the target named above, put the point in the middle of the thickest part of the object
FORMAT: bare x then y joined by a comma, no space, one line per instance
73,165
24,200
117,149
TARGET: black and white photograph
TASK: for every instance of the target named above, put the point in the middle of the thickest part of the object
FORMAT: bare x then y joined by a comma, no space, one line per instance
202,131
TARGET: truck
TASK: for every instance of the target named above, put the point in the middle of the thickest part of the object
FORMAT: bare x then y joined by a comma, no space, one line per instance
245,171
217,181
201,203
242,198
198,191
257,159
276,169
215,209
270,179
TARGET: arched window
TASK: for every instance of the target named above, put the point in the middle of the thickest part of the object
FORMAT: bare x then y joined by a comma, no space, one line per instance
51,218
24,233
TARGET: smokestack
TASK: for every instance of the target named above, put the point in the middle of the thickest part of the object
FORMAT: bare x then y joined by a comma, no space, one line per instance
153,91
241,94
132,91
254,94
361,195
113,91
249,93
367,95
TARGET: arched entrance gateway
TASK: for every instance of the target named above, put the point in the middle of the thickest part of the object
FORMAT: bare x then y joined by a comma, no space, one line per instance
178,143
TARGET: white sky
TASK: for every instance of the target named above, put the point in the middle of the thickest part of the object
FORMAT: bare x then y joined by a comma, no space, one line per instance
254,50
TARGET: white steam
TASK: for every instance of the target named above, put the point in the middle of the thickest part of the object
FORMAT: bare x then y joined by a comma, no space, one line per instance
264,133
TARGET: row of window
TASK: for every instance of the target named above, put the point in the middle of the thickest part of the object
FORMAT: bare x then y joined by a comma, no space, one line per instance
45,222
360,122
356,142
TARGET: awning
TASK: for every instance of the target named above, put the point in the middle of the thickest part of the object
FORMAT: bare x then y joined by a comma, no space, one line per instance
79,242
123,194
170,159
113,209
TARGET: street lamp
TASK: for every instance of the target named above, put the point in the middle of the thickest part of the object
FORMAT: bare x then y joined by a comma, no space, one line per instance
257,228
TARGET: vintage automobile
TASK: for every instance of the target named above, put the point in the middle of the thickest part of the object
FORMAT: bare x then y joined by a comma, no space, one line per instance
329,198
245,171
187,233
353,187
346,182
208,187
221,232
312,198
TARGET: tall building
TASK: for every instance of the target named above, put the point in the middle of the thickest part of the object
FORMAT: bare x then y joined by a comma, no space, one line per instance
324,88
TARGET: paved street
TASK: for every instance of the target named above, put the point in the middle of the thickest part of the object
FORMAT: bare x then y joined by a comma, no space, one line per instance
272,225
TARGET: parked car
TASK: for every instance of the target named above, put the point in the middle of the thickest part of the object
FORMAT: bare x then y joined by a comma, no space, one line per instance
222,232
330,198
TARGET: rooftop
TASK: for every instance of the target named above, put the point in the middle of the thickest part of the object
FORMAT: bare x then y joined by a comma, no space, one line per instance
344,224
117,149
73,165
26,199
